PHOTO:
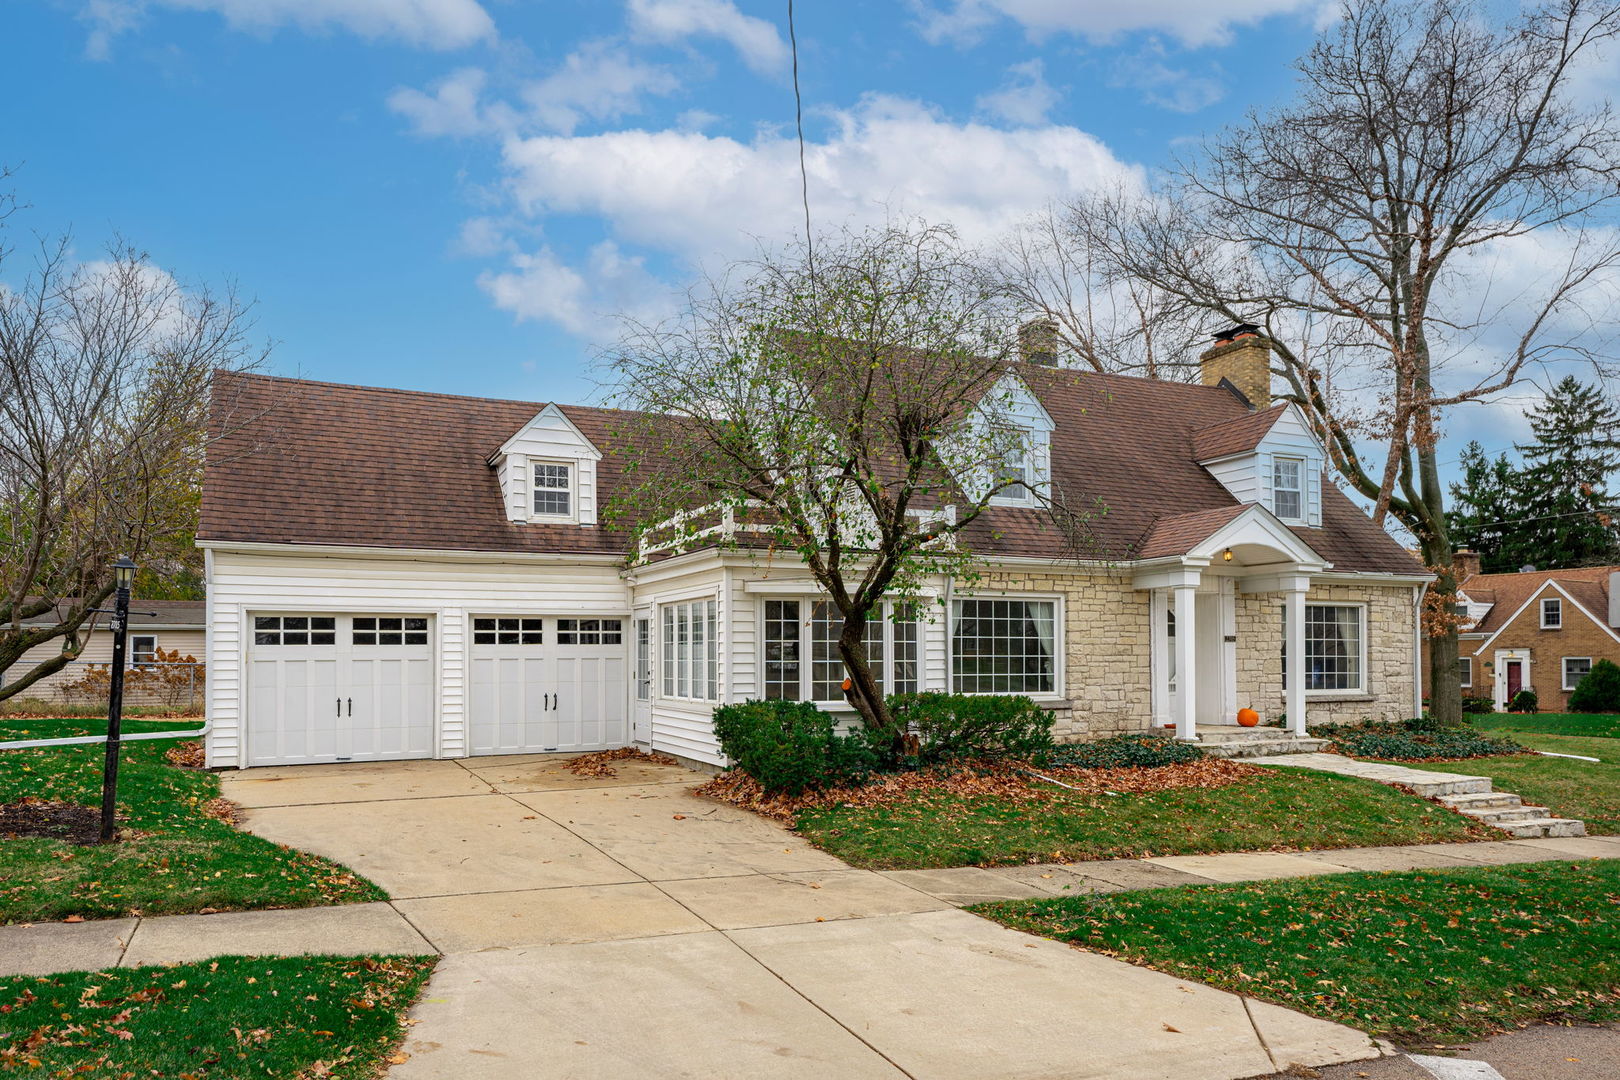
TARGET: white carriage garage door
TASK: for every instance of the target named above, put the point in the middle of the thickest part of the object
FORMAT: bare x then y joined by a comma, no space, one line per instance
339,688
541,684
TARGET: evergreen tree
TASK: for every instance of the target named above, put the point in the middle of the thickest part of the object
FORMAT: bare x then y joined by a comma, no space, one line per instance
1566,503
1485,506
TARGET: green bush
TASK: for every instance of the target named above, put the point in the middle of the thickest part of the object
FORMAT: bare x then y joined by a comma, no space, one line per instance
1524,702
1400,743
1139,751
958,726
791,746
1599,690
1424,724
1472,704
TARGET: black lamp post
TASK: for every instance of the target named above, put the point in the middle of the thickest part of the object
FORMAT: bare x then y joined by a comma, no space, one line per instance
123,577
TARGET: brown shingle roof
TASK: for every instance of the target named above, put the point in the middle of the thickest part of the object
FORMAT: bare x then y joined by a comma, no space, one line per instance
1179,534
1235,436
1589,585
321,463
146,613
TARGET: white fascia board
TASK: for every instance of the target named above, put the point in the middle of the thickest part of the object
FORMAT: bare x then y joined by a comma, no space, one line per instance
244,547
1256,519
1536,596
552,409
1351,577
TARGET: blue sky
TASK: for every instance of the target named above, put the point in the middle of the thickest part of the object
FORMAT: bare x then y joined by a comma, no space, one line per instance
457,195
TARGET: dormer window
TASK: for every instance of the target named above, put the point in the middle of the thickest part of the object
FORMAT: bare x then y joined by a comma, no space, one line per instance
1288,488
1012,477
553,490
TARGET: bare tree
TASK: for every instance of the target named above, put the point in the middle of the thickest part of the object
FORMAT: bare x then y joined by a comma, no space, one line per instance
846,404
1427,221
104,374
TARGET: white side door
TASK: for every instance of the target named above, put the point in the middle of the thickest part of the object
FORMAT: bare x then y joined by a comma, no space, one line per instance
641,677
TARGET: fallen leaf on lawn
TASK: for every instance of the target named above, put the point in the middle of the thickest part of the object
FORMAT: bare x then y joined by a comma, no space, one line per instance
399,1058
74,918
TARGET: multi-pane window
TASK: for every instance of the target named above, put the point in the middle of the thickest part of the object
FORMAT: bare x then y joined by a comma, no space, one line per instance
1576,669
142,649
1333,637
589,632
552,490
508,631
294,630
1288,488
796,629
691,655
373,630
1552,613
1465,671
1003,646
1012,473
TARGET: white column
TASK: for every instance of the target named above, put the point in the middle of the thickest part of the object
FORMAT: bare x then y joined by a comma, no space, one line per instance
1159,653
1295,704
1186,660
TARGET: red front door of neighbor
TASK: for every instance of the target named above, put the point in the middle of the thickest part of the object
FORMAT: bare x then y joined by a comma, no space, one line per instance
1515,679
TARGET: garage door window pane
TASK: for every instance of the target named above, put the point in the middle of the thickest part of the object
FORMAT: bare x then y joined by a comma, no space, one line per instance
294,630
507,632
589,632
389,630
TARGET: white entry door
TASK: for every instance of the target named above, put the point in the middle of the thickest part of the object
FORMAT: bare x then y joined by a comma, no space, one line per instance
641,679
328,688
541,684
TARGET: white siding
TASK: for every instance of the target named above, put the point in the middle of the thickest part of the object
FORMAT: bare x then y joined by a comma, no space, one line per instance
549,437
681,727
448,590
1249,476
98,650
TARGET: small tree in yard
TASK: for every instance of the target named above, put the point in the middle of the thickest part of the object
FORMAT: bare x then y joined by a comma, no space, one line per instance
104,375
846,402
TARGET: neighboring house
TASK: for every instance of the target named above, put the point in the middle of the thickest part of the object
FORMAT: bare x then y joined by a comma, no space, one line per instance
170,625
394,574
1538,630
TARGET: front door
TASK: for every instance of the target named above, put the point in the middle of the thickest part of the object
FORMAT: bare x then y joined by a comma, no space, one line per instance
1515,679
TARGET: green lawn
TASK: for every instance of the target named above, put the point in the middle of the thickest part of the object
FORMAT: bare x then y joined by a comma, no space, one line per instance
1432,955
1578,789
235,1017
1287,810
1515,724
177,860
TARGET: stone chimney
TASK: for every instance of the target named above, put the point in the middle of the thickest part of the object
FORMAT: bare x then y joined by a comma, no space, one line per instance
1465,564
1038,342
1242,357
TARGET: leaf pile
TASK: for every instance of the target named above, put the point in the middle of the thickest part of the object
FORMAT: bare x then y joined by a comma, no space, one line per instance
1012,781
600,763
187,754
235,1016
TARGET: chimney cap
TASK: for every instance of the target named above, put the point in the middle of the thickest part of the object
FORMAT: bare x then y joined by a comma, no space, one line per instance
1235,331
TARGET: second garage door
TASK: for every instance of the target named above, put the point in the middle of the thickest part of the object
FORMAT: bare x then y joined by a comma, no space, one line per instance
543,684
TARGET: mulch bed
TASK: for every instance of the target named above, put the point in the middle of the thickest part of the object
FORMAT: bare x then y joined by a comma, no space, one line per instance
1006,780
35,817
601,762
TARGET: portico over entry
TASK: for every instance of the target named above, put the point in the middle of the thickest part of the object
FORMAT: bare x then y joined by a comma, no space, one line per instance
1196,567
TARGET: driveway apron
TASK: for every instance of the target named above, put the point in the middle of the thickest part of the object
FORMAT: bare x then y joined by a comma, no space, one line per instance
622,927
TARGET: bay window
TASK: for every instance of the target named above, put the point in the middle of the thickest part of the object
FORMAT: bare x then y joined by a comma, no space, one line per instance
801,661
691,651
1001,646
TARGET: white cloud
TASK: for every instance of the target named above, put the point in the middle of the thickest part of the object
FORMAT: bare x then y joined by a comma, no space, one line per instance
671,21
453,107
694,195
430,24
1024,98
1168,81
599,81
585,300
1193,22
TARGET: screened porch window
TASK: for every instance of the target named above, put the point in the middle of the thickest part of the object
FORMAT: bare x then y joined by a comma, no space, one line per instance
1003,646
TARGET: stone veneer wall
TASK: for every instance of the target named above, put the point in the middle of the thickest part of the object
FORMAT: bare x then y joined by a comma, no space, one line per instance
1389,655
1107,678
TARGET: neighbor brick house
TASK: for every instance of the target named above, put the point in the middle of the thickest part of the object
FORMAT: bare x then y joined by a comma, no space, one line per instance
394,574
1538,630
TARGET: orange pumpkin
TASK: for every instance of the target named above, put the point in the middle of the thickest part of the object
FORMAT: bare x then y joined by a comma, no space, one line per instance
1248,717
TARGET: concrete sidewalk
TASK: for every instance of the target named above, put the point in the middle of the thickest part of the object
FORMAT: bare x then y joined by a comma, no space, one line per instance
623,927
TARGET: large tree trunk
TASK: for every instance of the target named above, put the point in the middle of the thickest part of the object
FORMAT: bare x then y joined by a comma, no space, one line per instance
863,691
1440,626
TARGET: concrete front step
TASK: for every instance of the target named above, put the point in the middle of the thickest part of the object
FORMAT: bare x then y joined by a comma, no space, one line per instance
1497,815
1484,800
1546,826
1230,747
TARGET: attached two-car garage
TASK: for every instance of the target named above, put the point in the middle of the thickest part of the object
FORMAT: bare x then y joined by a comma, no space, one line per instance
365,687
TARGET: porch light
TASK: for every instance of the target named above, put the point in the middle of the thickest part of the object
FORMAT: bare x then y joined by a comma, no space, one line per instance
1227,555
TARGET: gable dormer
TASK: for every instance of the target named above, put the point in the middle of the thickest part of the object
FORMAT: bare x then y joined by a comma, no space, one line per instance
547,472
1011,404
1269,457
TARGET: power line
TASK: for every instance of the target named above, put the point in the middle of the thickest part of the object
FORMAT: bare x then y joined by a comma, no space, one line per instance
798,118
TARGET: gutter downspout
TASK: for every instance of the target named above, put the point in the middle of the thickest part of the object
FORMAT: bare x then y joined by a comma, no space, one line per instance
1417,649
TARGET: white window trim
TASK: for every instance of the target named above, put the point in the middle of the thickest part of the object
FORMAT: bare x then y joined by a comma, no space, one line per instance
1032,477
1563,670
135,650
1060,644
1468,681
806,675
573,489
1303,490
712,641
1360,690
1542,609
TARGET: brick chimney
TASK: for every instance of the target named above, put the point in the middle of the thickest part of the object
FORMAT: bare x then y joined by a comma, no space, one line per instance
1038,342
1614,600
1464,564
1241,356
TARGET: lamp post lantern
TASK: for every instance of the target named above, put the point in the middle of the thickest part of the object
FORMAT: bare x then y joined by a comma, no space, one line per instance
123,578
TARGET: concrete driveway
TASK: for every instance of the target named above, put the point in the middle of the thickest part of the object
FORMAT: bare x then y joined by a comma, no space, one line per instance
624,928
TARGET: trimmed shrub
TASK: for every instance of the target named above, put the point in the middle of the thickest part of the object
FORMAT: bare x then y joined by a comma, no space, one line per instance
1400,743
1477,704
1525,702
1599,689
791,746
1135,751
958,726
